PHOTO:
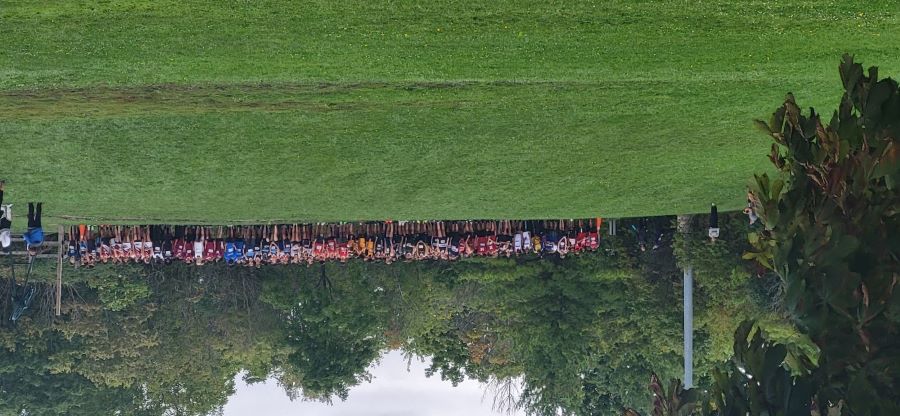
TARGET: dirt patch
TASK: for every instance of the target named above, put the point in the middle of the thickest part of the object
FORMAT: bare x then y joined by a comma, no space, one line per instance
112,101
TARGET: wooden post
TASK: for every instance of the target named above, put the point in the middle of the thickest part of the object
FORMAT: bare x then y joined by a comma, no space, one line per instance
59,266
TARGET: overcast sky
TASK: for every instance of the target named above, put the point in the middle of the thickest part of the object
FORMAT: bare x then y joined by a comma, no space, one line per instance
393,391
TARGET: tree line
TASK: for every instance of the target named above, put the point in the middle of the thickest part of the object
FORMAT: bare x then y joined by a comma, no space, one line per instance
579,334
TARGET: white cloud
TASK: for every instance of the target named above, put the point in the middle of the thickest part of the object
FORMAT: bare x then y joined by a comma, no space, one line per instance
393,391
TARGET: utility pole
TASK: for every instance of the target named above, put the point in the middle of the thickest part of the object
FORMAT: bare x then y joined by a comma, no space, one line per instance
684,227
688,327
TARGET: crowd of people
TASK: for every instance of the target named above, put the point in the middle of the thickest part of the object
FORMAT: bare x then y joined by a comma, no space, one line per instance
389,241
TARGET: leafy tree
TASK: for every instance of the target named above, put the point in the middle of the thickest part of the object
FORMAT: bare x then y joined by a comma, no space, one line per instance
174,352
578,336
117,291
831,235
26,384
335,332
718,268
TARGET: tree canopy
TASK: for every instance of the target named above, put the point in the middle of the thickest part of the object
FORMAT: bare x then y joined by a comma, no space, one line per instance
830,233
573,336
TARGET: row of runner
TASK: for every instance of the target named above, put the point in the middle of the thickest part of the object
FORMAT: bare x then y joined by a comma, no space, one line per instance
310,243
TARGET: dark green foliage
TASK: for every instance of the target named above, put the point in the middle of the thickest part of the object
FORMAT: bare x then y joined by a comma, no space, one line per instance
174,352
449,356
831,234
333,325
620,380
27,384
758,381
674,402
582,335
718,267
116,291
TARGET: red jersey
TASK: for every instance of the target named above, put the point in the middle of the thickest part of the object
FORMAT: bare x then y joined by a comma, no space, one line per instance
209,250
594,240
178,249
491,246
318,249
482,246
344,251
332,249
220,249
581,241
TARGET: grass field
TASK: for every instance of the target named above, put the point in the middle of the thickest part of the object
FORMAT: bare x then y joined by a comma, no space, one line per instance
339,110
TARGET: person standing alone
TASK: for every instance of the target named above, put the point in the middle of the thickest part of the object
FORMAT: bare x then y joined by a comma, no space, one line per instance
34,236
713,223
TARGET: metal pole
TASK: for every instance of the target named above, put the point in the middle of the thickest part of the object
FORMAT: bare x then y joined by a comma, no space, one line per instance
688,327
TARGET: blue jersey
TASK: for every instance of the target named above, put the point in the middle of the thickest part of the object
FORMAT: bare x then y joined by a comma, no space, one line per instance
34,236
238,249
229,252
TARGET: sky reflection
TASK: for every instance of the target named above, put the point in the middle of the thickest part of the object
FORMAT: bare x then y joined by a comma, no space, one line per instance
393,391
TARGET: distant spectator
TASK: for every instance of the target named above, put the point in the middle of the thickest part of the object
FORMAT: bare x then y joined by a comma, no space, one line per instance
713,223
34,236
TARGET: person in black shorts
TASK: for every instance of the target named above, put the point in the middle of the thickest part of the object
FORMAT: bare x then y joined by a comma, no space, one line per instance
713,223
34,236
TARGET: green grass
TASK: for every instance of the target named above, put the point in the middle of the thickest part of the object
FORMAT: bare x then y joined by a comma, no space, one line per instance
332,110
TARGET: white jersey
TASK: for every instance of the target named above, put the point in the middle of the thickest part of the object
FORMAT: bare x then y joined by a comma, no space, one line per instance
5,240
